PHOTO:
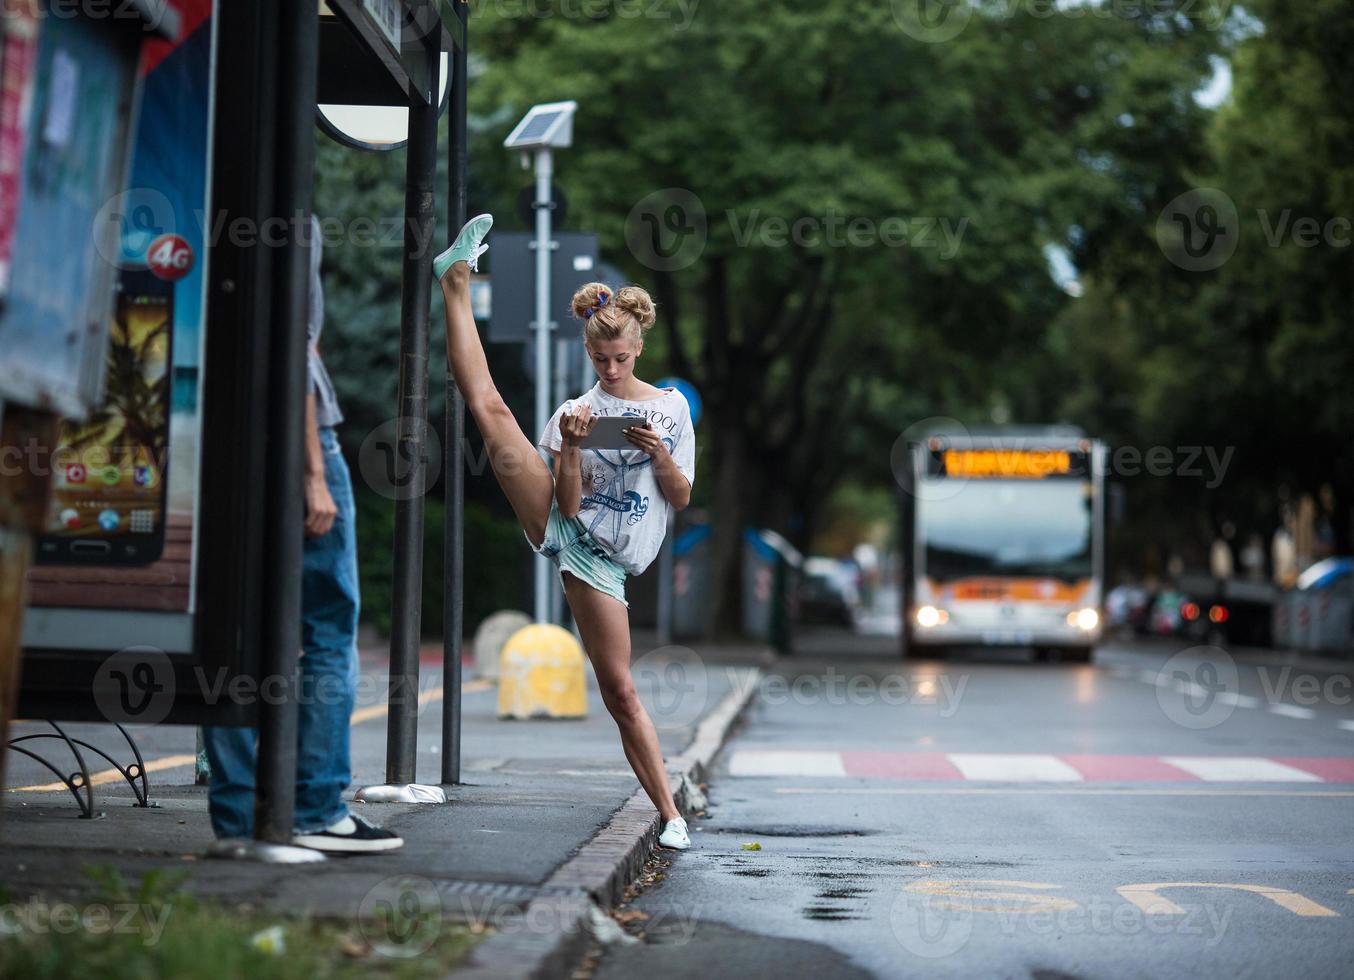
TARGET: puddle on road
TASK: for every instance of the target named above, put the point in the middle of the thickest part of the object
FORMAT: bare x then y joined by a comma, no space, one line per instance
792,830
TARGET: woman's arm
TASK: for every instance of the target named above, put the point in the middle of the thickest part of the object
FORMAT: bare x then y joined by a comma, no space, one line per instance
568,479
670,480
675,487
573,430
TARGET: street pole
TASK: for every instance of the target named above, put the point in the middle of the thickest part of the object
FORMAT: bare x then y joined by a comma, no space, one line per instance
407,587
543,407
297,75
453,544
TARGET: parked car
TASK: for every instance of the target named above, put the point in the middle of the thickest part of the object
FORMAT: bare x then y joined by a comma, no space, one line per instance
828,592
1129,607
1177,613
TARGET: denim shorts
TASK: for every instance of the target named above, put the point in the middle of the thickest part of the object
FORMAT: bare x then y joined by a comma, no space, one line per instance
569,545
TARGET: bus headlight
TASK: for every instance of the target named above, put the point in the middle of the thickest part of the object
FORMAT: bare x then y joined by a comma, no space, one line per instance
928,616
1084,619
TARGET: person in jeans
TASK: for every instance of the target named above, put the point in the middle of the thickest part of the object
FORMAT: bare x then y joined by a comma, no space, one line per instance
329,608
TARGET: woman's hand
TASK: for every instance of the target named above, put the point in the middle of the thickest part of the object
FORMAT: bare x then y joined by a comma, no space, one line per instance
646,437
573,429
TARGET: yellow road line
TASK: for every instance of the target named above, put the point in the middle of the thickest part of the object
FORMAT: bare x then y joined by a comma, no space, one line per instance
112,775
176,761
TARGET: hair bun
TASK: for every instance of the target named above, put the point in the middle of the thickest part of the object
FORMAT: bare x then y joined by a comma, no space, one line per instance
636,302
589,297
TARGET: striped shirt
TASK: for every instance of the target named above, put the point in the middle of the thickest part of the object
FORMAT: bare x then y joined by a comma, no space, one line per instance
327,413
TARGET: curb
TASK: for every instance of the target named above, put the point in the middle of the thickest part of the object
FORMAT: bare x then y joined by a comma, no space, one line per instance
596,877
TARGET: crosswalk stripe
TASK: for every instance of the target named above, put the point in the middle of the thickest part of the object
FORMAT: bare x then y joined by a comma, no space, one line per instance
1292,711
1026,767
1241,769
751,762
1011,767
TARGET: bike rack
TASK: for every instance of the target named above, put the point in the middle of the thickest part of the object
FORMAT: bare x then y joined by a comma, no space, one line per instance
81,781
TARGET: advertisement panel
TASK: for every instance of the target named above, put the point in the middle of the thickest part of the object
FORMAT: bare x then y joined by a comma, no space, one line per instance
121,526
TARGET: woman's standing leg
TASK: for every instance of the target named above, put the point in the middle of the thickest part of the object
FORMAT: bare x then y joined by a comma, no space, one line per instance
604,625
522,473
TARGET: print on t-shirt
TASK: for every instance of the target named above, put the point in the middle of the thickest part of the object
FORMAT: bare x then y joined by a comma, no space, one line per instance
622,505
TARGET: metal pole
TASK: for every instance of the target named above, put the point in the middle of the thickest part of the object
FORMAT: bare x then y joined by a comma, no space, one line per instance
543,406
453,544
420,225
297,70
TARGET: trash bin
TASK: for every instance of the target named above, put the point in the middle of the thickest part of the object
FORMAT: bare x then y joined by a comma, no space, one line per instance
1331,620
771,568
691,599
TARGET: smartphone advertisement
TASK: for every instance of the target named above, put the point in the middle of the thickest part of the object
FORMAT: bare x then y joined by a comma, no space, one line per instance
109,472
120,527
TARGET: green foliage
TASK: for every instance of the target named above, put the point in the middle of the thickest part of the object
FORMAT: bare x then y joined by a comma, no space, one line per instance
152,928
495,558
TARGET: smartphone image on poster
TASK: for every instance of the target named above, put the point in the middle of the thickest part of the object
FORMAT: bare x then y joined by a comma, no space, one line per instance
108,485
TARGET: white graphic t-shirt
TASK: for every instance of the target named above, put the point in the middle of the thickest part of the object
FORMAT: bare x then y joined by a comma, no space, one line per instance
622,505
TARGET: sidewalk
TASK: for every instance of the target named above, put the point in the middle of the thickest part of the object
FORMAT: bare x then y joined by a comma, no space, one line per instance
546,808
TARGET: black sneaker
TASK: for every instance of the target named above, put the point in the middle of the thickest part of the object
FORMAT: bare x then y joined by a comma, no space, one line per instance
351,835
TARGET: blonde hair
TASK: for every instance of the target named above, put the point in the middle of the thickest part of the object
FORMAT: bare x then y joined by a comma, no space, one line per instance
612,314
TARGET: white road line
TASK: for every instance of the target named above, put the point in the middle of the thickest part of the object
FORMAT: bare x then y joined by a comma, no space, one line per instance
1240,769
1346,725
750,762
1012,768
1052,791
1291,711
1238,700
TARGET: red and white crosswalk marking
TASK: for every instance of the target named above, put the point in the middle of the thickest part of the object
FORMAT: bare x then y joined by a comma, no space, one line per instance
1032,767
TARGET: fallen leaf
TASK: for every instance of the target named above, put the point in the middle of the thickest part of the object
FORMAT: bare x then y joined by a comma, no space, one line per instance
754,846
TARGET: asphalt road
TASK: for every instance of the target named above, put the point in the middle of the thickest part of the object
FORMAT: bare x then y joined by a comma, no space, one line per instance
1162,812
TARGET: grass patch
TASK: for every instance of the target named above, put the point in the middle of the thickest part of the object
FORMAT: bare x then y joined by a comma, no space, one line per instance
154,929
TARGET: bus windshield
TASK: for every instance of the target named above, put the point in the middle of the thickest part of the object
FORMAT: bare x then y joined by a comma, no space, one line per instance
1008,527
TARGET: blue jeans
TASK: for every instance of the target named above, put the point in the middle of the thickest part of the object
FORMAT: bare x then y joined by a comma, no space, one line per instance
328,683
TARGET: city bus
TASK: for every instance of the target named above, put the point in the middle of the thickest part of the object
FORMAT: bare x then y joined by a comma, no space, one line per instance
1003,541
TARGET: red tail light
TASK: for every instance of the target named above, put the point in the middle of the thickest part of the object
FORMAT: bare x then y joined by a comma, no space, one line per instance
1218,614
1190,611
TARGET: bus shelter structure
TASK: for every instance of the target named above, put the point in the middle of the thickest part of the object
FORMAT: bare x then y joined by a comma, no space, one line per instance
274,63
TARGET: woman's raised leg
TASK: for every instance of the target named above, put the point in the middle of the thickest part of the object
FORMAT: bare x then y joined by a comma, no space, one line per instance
604,625
522,473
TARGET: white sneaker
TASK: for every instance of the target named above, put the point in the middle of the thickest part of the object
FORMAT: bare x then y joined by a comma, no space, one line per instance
674,835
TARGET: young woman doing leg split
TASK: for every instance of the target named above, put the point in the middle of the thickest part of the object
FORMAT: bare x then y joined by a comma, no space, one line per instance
601,513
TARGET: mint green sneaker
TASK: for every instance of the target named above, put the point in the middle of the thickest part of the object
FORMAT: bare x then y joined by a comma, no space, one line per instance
467,247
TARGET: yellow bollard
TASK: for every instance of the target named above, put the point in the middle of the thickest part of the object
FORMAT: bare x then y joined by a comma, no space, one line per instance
540,672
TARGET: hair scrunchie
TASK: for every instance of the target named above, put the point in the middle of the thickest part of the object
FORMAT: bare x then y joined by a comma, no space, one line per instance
601,302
